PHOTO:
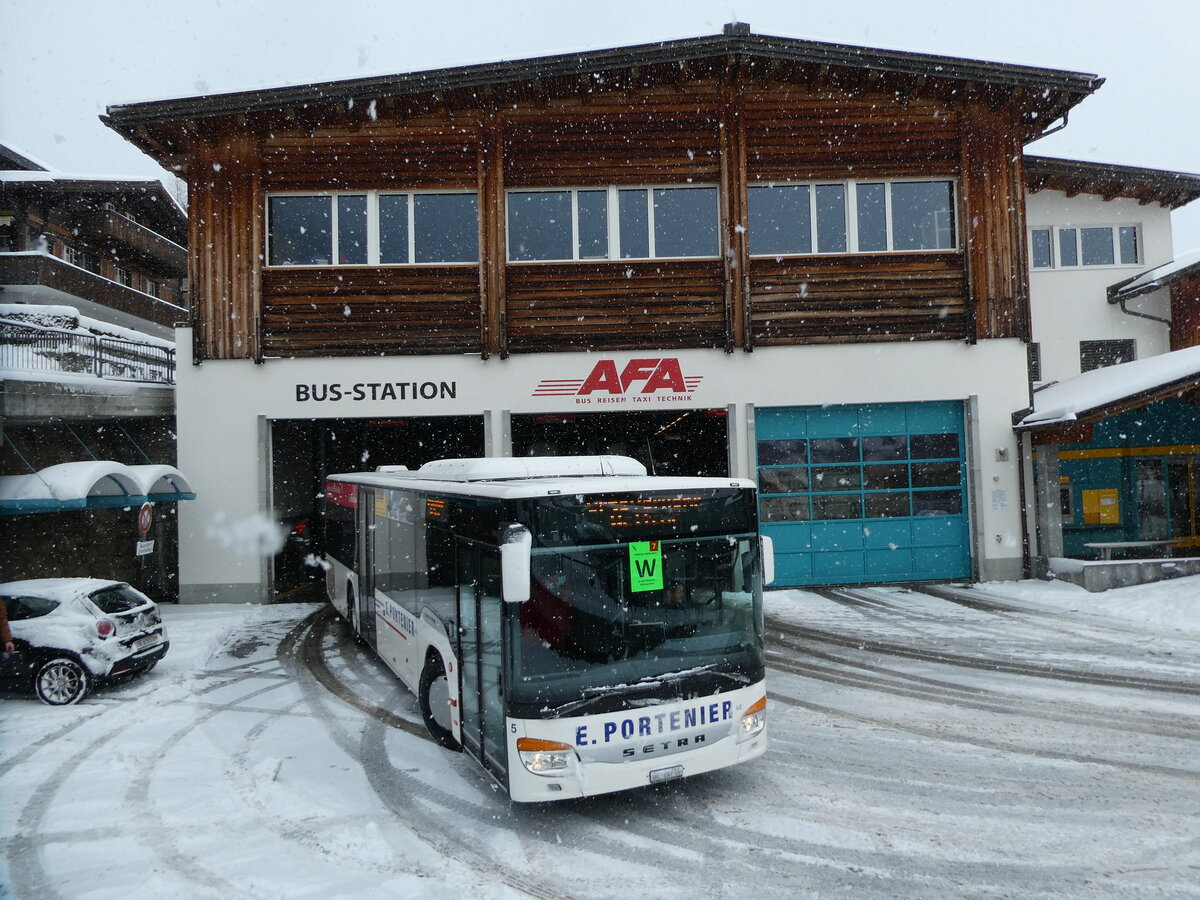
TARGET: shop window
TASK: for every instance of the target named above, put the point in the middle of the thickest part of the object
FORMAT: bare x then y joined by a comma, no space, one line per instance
573,223
1100,354
372,228
852,217
1095,245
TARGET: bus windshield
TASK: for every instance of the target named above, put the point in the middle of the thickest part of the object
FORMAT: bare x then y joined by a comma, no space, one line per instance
612,626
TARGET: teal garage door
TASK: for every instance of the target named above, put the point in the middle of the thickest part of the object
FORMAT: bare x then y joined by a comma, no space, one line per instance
863,494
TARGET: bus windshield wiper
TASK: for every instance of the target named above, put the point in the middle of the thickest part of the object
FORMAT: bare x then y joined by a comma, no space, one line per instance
644,685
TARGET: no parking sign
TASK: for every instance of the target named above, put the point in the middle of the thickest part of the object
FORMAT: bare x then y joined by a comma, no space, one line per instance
145,517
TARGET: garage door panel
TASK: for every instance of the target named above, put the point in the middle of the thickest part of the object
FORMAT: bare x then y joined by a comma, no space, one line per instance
885,485
838,567
828,536
894,564
793,568
886,534
937,531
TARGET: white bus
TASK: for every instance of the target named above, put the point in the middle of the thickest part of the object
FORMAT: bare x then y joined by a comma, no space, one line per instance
575,625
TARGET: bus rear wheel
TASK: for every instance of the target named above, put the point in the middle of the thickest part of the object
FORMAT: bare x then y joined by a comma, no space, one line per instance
435,703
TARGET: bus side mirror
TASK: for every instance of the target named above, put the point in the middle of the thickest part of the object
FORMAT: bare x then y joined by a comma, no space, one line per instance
768,559
516,548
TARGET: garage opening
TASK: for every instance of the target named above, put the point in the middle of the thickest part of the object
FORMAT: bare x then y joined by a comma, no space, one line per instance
304,451
676,442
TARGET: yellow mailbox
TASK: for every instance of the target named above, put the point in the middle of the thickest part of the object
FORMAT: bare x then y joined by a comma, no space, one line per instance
1101,506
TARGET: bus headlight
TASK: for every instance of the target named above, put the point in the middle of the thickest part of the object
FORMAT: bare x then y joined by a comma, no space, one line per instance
546,757
754,720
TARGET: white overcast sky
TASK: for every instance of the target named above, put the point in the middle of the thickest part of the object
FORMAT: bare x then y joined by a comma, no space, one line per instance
62,63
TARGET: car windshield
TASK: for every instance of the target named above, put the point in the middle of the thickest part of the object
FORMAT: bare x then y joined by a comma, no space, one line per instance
612,626
118,598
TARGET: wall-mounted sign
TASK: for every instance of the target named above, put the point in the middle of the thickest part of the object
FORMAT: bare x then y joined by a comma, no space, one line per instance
376,390
647,380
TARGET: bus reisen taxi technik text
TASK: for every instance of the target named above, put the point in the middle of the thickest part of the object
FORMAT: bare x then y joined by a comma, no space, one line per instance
575,625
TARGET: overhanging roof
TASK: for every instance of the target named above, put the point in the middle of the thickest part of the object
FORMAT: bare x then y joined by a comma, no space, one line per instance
1100,393
1072,177
1043,95
93,484
1187,265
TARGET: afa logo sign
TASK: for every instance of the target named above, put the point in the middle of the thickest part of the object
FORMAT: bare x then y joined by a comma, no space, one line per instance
638,378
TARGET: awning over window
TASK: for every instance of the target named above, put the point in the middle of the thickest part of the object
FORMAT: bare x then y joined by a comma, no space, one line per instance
94,484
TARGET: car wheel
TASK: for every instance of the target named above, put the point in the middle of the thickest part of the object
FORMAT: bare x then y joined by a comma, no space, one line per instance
61,682
435,703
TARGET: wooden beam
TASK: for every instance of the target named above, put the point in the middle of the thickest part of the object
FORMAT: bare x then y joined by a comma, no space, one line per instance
734,219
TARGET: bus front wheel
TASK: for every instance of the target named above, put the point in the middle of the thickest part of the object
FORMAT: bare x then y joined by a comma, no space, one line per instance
435,703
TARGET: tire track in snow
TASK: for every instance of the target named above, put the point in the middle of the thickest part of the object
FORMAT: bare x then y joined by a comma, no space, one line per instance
451,823
987,664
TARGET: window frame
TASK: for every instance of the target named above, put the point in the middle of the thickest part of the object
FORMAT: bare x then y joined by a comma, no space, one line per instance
613,222
372,224
851,209
1055,231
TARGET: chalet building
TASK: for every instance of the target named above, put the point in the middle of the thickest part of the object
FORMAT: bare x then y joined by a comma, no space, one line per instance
91,287
1114,426
740,254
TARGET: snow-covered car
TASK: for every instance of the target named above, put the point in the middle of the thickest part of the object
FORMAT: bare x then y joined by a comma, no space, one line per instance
72,633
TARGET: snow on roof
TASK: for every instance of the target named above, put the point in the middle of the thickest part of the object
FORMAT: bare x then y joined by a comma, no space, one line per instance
67,318
534,476
91,483
540,486
18,157
1066,401
508,468
61,589
16,176
1155,278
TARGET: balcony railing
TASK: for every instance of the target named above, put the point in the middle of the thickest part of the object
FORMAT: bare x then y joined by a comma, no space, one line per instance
29,348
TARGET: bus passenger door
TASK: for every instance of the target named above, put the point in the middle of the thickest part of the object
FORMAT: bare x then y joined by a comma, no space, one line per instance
363,612
480,618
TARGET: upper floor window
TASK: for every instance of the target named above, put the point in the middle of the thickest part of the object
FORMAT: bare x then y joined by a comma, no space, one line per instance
372,228
124,277
151,287
1097,245
851,217
82,258
613,223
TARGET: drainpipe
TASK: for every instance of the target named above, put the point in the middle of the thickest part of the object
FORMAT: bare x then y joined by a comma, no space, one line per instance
1141,315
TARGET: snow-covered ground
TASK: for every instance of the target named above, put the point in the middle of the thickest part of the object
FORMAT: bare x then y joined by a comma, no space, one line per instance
1016,739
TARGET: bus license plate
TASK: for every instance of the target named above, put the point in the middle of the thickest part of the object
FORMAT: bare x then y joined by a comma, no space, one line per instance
660,775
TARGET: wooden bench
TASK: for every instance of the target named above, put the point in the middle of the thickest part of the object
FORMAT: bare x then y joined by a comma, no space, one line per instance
1107,547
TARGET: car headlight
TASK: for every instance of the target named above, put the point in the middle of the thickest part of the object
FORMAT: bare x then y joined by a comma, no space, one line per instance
754,720
546,757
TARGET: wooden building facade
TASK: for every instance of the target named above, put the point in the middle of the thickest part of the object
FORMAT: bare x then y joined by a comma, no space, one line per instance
734,196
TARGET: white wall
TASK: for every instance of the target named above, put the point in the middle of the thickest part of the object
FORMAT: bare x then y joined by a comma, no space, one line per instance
221,403
1071,305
